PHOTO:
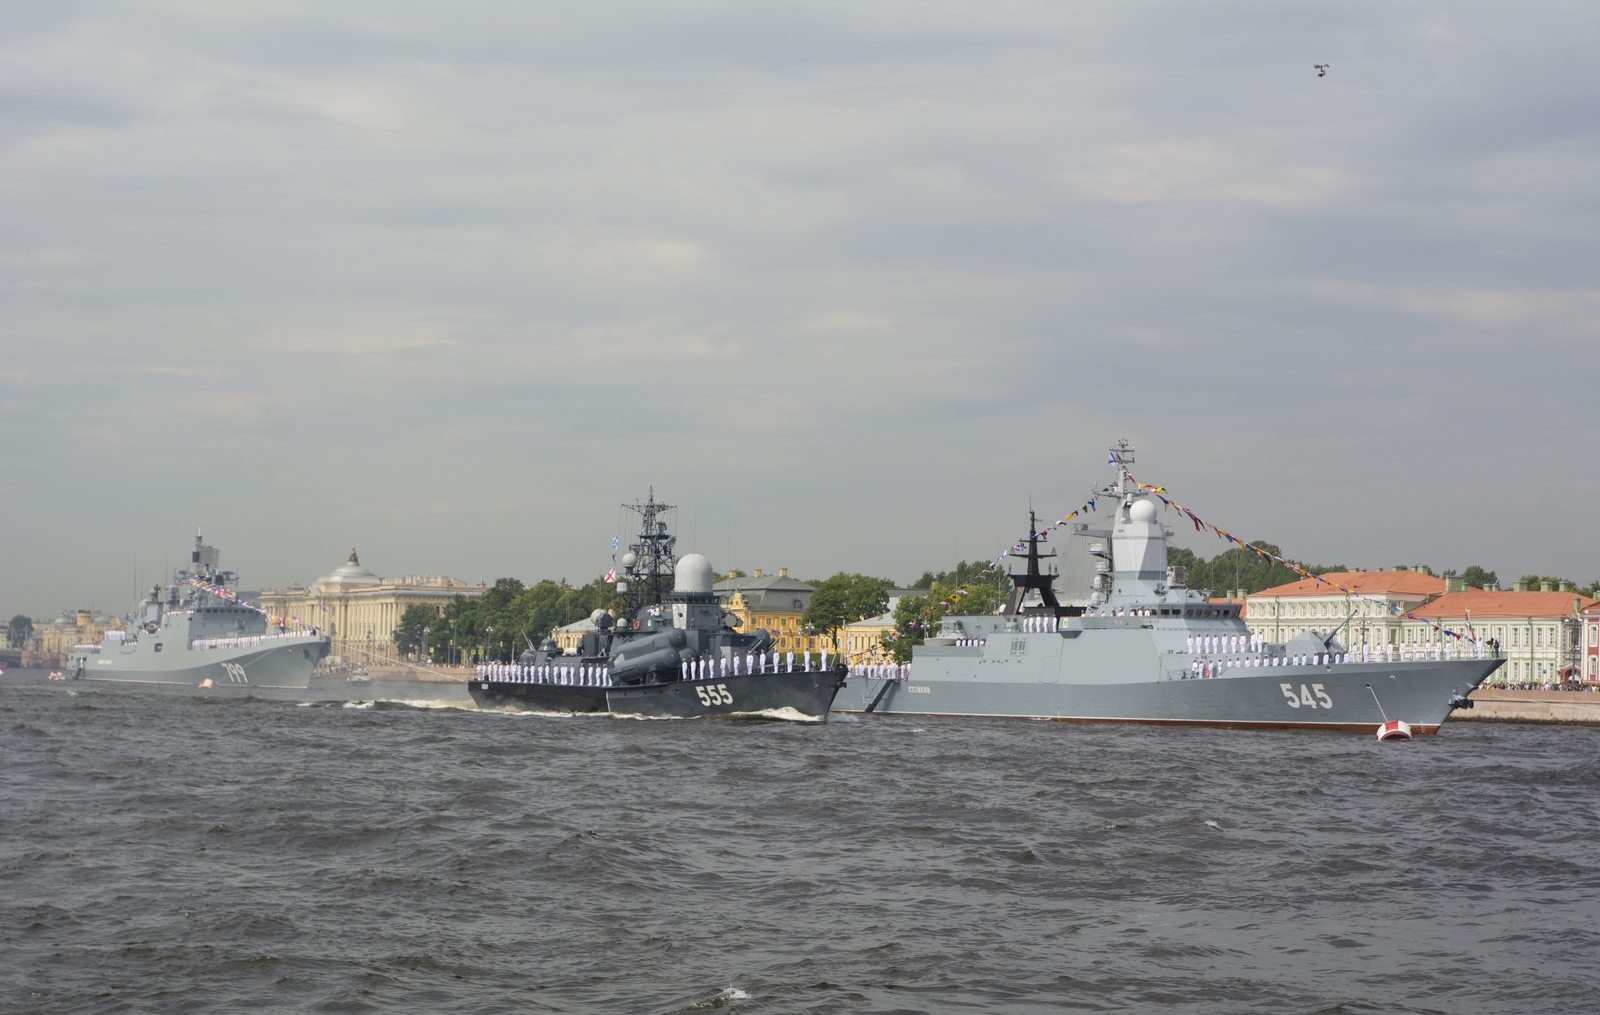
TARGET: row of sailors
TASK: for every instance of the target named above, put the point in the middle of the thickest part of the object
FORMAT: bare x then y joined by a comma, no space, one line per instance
521,673
1205,668
1121,611
971,642
882,671
1041,625
1214,644
728,666
243,640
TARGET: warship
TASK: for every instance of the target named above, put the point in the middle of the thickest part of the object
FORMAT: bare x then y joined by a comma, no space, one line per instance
1142,647
196,632
673,653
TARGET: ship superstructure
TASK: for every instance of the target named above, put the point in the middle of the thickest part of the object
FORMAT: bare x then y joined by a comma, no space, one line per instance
673,653
1145,648
196,630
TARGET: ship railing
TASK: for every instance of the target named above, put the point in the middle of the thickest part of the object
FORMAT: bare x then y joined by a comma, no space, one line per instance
248,640
1207,661
575,675
882,671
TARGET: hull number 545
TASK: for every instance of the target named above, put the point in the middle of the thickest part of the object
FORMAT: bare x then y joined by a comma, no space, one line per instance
1305,696
714,694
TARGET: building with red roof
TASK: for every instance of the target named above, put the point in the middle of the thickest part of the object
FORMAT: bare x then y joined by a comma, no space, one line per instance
1280,613
1541,634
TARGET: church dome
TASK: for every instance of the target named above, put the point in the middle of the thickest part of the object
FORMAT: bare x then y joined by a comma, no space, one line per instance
350,573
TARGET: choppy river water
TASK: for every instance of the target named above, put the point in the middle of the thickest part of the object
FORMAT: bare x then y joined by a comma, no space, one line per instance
171,853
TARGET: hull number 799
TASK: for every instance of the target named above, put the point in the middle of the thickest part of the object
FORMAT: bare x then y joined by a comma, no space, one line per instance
1305,696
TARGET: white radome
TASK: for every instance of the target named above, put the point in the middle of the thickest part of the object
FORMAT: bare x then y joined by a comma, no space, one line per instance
1142,511
693,574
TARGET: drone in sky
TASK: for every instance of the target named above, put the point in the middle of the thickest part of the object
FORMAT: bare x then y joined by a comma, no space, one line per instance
1322,69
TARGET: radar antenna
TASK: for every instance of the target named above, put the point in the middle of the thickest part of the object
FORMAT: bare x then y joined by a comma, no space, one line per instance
650,576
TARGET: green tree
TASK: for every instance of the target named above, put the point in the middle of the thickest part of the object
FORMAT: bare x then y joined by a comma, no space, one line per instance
1236,568
1476,577
19,631
1534,581
916,616
407,635
845,599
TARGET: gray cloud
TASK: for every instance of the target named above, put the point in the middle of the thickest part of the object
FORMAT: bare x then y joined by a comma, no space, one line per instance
848,283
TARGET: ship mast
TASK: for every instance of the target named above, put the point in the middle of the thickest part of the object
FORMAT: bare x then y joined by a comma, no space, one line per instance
650,573
1122,457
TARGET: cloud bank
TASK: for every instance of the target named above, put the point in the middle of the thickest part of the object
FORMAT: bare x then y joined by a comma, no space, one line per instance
849,283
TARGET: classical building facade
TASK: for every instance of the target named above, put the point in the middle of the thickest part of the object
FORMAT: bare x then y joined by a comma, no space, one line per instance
53,639
863,640
1280,613
360,610
1541,634
774,603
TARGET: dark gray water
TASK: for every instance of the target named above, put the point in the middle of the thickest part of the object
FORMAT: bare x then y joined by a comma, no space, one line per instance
172,853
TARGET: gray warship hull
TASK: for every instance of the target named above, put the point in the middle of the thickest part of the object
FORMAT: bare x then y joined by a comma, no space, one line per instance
802,696
283,661
1145,648
198,633
1327,697
793,696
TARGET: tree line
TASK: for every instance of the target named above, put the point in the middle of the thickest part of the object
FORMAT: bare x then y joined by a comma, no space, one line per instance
511,616
500,624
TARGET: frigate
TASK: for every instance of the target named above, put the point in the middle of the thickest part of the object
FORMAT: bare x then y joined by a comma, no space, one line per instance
197,632
1142,647
673,653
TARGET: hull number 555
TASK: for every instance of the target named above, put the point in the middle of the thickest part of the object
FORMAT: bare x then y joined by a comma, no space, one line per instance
715,694
1305,696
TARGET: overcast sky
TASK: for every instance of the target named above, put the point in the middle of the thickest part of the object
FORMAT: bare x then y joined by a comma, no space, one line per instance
849,283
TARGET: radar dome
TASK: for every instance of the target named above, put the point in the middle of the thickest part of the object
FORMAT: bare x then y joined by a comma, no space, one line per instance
1142,511
693,574
629,559
600,619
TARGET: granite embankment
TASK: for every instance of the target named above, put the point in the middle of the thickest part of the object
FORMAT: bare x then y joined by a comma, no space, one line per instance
1504,705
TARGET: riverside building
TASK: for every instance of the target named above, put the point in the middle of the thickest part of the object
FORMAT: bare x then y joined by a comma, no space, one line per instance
1540,634
773,603
359,610
1278,614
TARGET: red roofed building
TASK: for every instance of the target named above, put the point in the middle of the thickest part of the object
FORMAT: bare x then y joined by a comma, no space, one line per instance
1541,634
1278,614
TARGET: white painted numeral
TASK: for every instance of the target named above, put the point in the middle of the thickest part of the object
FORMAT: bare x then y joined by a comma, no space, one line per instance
1305,696
235,673
716,694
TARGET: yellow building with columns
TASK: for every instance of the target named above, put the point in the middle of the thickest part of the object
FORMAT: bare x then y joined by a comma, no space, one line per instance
359,610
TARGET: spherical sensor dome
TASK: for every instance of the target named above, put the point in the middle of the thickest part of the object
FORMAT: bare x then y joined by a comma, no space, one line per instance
1142,511
693,574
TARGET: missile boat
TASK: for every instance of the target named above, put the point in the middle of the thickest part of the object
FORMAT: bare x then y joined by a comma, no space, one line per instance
673,653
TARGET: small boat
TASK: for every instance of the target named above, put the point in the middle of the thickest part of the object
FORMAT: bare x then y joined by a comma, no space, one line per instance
57,675
358,678
207,684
